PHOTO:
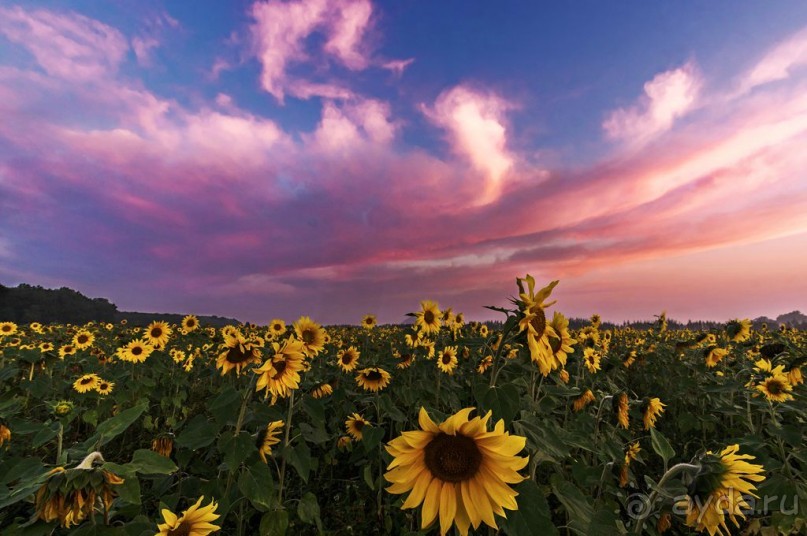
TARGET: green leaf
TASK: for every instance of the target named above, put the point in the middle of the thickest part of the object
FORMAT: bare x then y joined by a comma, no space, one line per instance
148,462
368,476
48,432
308,510
225,406
661,446
236,449
371,437
533,517
114,426
274,523
503,400
257,485
578,508
198,433
300,458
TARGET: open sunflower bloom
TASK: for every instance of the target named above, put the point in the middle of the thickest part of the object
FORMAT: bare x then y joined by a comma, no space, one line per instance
458,470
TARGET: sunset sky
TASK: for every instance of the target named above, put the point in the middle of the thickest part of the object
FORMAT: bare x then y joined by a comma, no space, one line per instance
342,157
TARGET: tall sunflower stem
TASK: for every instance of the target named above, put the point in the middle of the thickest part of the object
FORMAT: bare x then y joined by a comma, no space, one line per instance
496,368
59,439
238,424
671,472
282,476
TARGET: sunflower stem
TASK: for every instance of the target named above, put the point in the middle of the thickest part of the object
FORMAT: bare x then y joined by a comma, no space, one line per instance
671,472
59,438
282,476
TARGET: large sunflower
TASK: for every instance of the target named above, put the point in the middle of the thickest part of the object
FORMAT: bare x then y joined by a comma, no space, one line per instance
136,351
267,437
347,359
311,335
373,379
195,521
776,388
236,353
458,470
280,374
447,360
427,320
83,339
157,333
533,323
718,490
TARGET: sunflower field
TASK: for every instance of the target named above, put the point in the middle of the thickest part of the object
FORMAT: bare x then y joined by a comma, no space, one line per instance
521,427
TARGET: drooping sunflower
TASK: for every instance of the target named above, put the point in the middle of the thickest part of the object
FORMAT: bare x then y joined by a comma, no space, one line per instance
405,360
88,382
427,320
348,359
718,490
447,360
355,426
776,388
158,333
484,364
267,437
280,374
629,358
163,445
621,406
311,335
277,328
195,521
583,400
713,355
136,351
591,358
83,339
533,323
564,375
458,470
321,390
739,330
373,379
5,434
237,353
190,323
7,328
369,322
653,407
104,387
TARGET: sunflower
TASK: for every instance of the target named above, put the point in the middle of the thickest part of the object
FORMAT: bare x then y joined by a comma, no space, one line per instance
533,323
620,403
163,445
776,388
322,390
158,333
83,339
136,351
739,330
36,327
280,374
311,335
484,364
373,379
405,360
718,490
562,344
277,328
7,328
5,434
66,350
104,387
413,339
348,359
344,442
355,425
591,358
714,355
236,353
190,323
653,407
795,377
46,347
267,437
664,523
88,382
195,521
484,331
427,320
62,407
629,359
583,400
459,470
447,360
369,321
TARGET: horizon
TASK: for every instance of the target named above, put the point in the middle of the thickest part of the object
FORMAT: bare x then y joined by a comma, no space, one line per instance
270,159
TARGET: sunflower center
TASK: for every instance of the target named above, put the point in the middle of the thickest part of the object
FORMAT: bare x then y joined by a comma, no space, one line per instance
86,381
137,350
775,387
358,425
373,376
184,529
555,344
346,359
280,366
276,327
156,332
235,355
308,336
453,458
428,317
538,321
82,339
446,359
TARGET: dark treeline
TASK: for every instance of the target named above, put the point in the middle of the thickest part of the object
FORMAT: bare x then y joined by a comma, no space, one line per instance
24,304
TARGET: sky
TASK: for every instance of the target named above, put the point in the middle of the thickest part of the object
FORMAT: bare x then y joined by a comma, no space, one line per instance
334,158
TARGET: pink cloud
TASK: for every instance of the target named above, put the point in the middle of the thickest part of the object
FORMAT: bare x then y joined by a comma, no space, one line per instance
397,66
143,47
67,45
476,129
346,40
779,63
667,97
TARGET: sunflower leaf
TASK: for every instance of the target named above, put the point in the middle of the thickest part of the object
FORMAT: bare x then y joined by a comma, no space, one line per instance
308,510
274,523
661,446
198,433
